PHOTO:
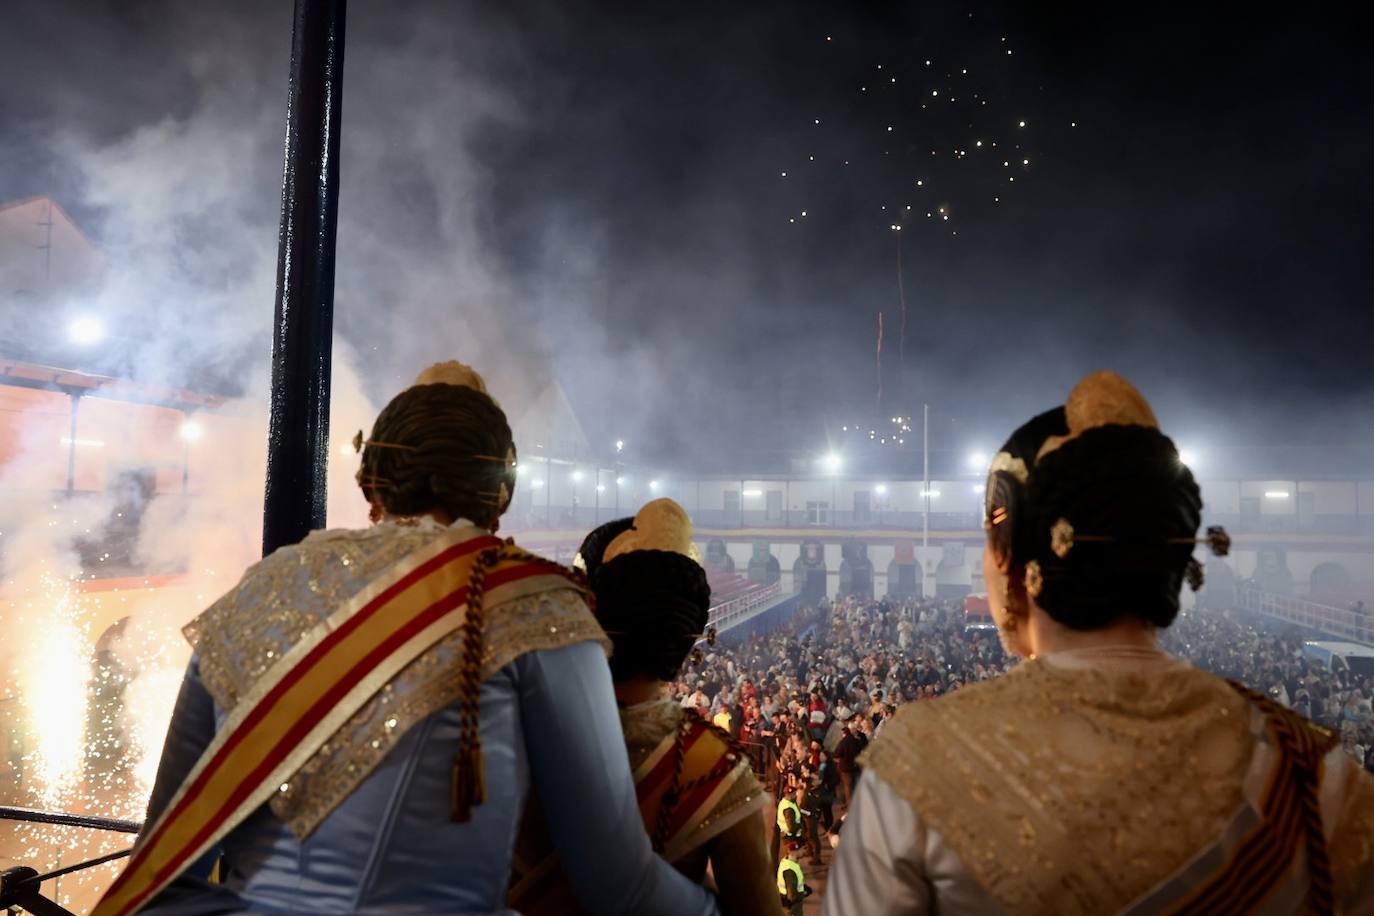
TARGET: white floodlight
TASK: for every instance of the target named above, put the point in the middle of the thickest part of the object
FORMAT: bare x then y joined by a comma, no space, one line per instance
85,330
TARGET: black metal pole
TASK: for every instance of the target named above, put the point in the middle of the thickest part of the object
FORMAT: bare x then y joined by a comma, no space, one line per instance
298,436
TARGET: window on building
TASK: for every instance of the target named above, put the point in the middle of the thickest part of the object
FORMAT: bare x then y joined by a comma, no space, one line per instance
773,510
818,512
731,503
863,507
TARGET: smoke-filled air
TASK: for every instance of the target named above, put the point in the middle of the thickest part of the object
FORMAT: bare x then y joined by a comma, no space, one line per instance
800,268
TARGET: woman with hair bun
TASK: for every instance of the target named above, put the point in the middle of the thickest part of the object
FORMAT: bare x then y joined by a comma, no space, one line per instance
1101,775
366,711
698,797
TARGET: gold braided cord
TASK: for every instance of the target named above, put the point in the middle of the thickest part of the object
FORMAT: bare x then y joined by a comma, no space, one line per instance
677,789
1306,744
469,771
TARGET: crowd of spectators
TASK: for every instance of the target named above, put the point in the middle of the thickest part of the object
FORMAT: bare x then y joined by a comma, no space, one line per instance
807,697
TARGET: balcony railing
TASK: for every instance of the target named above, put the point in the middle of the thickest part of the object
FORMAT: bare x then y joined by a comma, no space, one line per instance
1339,622
737,610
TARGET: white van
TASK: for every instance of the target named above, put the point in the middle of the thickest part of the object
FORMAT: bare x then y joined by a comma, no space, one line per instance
1349,655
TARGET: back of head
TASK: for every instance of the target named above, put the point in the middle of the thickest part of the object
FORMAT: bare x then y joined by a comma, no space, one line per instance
442,444
652,597
1092,501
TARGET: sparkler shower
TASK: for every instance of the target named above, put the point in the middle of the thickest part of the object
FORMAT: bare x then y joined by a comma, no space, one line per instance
798,266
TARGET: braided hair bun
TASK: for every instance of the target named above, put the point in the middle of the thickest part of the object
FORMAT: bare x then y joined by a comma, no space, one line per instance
443,443
652,597
1096,498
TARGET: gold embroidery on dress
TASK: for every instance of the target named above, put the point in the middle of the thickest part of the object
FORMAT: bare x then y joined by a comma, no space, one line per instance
1352,845
247,630
1060,788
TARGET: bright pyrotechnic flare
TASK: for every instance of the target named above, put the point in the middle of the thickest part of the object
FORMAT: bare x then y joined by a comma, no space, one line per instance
53,672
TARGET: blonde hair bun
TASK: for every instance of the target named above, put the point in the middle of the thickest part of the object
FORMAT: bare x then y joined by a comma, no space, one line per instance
452,372
660,525
1102,398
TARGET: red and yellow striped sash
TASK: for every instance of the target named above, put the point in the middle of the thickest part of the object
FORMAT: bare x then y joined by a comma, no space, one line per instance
310,693
709,768
1263,860
708,762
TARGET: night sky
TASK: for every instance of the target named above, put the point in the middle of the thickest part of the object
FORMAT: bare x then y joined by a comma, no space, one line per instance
1188,201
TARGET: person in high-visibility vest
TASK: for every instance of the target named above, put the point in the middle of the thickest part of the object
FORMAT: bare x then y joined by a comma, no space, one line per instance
789,820
792,889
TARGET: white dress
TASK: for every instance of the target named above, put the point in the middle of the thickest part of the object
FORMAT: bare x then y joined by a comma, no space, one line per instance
1083,782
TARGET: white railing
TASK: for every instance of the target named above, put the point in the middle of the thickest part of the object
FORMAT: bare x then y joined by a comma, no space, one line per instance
738,610
1340,622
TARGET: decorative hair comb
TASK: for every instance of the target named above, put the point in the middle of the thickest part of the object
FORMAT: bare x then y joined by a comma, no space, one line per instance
359,442
1063,538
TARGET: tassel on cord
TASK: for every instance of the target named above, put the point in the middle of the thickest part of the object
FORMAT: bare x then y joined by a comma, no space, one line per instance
468,784
469,788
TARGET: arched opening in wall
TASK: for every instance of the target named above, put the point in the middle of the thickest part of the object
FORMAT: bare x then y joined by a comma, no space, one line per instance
903,575
952,580
856,570
1272,573
1219,586
763,566
1329,579
717,558
809,573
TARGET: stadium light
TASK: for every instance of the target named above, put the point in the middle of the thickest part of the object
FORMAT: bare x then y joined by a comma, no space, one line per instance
621,481
601,488
753,494
933,494
620,445
1275,494
1187,457
190,431
577,476
832,462
881,489
85,330
536,484
978,461
653,486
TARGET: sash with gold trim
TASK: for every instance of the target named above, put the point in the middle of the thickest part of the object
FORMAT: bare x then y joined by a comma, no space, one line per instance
706,766
312,690
1253,868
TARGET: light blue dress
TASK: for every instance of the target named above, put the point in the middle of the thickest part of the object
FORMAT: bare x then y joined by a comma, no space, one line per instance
548,718
391,848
